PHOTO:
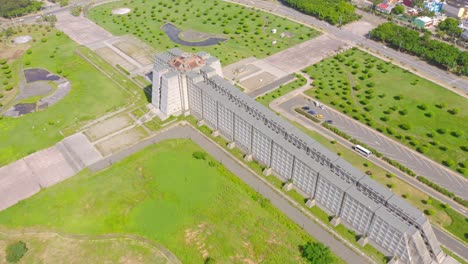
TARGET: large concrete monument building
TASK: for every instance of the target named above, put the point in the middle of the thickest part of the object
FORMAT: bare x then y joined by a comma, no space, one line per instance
193,84
169,93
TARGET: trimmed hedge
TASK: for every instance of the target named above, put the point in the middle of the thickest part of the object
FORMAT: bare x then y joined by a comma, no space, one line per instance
443,191
309,116
435,186
400,166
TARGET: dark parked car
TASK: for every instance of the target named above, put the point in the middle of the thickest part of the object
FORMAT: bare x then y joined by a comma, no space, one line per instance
329,121
311,112
305,107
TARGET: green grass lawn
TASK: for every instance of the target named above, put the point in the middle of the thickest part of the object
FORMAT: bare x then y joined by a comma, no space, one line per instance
248,31
282,90
92,94
415,111
192,207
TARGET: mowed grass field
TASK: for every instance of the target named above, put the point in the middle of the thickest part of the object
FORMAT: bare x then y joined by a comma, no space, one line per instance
249,32
195,208
413,110
92,94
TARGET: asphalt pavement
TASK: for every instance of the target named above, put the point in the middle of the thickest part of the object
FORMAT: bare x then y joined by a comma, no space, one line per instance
420,164
446,239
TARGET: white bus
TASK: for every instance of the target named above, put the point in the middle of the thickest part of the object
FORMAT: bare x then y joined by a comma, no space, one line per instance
363,151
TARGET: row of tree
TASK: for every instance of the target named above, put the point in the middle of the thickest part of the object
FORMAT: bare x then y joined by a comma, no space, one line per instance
335,12
16,8
433,51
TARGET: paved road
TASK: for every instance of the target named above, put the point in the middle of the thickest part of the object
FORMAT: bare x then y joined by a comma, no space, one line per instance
178,131
433,73
411,159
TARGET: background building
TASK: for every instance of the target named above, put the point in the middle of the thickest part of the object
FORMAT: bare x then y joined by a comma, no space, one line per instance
351,197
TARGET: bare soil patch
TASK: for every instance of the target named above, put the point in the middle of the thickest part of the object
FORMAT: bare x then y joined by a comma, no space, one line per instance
258,81
121,11
121,141
22,39
107,127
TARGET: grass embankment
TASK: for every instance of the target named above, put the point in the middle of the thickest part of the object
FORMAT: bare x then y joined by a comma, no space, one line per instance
406,107
193,207
440,214
248,31
92,94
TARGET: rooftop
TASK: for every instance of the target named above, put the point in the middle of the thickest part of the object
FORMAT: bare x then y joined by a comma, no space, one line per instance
187,62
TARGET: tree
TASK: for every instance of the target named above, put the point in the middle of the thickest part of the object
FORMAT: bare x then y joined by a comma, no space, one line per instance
398,10
14,8
316,253
450,27
15,251
52,19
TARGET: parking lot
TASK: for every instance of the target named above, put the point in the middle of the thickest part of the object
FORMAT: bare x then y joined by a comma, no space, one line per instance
390,148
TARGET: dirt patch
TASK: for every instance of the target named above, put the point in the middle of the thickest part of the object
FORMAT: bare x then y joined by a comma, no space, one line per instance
120,141
258,81
12,53
107,127
136,49
197,237
22,39
121,11
114,59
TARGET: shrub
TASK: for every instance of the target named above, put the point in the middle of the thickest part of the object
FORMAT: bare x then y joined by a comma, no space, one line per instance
454,111
316,253
3,61
199,155
422,106
405,126
429,212
448,163
456,133
15,251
